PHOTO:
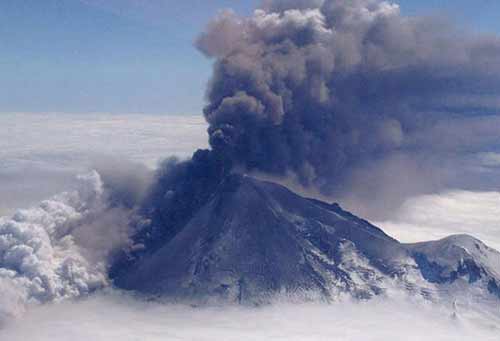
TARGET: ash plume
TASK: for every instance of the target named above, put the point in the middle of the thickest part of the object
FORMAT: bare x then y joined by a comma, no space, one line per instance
318,89
346,99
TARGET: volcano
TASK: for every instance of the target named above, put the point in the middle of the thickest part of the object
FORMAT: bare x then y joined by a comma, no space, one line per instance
255,241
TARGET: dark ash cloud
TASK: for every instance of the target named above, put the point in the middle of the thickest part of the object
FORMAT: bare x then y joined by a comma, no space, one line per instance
343,99
318,88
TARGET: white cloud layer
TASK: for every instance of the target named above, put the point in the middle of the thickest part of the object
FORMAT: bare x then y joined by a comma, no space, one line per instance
60,139
40,154
118,317
436,216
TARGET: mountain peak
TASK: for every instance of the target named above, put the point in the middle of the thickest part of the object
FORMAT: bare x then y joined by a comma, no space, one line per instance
254,240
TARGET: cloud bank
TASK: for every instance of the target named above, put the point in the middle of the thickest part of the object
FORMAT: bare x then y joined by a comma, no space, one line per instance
435,216
114,316
40,154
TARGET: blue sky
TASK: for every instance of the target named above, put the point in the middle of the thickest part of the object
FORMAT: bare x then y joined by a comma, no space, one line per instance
131,56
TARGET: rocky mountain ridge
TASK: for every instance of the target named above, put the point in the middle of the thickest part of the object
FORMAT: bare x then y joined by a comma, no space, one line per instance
254,241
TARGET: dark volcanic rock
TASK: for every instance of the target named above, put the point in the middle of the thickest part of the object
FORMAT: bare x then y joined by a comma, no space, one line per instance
255,240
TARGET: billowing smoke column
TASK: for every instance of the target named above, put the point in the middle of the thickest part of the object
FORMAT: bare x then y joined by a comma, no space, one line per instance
315,88
318,90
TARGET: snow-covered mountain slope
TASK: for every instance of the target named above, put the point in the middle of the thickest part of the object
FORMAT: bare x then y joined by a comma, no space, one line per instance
255,240
459,261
